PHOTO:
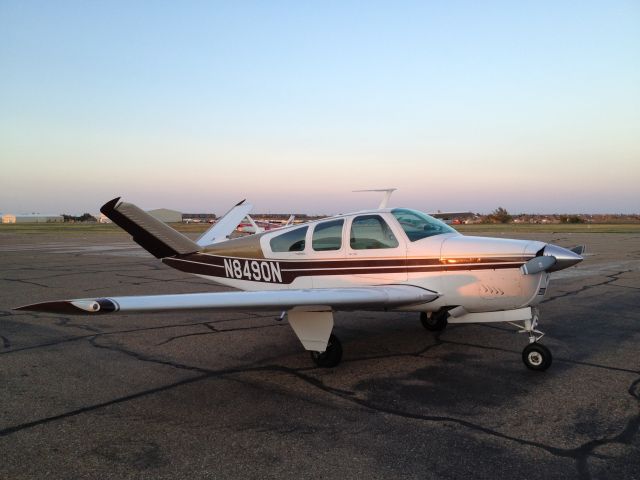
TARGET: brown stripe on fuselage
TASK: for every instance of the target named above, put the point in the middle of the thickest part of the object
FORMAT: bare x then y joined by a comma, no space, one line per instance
353,263
212,265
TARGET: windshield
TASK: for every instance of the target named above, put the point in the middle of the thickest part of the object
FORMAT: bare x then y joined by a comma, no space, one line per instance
418,225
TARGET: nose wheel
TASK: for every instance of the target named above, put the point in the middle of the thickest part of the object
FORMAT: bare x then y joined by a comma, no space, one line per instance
537,357
331,356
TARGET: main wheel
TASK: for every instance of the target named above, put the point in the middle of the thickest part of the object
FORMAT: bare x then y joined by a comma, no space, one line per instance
435,322
331,356
537,357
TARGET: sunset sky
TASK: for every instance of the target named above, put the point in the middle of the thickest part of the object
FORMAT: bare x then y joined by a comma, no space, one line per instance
195,105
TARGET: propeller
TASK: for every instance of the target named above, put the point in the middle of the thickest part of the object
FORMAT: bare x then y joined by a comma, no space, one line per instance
579,250
538,264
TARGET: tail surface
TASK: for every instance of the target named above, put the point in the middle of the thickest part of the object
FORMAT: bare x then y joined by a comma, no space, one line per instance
154,236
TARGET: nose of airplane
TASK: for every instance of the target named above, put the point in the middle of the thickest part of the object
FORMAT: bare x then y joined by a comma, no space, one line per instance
565,258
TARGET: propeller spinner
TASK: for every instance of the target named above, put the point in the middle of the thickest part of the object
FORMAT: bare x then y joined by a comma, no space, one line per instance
554,258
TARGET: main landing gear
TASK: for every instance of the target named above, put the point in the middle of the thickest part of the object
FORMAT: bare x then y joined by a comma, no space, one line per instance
331,356
434,321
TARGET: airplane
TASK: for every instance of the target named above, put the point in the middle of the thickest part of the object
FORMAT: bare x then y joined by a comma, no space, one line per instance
381,259
253,226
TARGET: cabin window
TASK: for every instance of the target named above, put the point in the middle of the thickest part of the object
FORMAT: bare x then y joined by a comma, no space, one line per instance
328,236
418,225
291,241
371,232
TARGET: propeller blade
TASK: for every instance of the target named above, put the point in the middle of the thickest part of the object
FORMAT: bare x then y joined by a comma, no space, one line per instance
538,264
580,249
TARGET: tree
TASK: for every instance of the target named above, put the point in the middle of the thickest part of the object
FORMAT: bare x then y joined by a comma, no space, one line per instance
500,215
85,217
571,219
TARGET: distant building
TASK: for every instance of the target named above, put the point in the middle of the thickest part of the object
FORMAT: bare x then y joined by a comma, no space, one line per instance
102,218
166,215
198,217
31,218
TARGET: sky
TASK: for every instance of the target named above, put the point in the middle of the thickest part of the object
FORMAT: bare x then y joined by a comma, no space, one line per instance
195,105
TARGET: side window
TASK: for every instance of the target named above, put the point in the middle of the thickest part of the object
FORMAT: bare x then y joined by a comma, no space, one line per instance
328,236
291,241
370,232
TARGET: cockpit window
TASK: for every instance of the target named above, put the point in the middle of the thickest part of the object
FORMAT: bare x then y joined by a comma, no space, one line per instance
371,232
418,225
291,241
327,236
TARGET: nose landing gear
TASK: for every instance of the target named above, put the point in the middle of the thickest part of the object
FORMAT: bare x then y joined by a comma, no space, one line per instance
535,355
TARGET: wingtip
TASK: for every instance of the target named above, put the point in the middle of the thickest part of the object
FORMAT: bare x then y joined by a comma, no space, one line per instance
60,306
73,307
109,206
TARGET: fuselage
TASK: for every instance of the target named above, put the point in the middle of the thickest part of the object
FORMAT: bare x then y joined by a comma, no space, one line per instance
387,246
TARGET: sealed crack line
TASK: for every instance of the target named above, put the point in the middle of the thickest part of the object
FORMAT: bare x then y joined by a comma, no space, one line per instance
25,281
116,332
72,413
580,454
556,359
614,277
145,358
213,331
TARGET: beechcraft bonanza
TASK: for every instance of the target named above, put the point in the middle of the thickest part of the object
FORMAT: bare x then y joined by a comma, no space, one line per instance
381,259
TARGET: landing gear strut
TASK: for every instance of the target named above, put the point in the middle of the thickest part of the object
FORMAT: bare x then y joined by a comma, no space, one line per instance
331,356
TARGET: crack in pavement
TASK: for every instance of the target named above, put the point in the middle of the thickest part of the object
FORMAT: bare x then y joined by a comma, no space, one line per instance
116,332
66,322
16,428
626,286
579,454
213,331
614,277
25,281
557,359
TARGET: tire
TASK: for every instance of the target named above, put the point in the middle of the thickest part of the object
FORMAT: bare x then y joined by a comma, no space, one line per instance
537,357
331,356
436,322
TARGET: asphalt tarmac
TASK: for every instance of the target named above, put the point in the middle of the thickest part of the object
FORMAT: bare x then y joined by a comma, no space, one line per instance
233,395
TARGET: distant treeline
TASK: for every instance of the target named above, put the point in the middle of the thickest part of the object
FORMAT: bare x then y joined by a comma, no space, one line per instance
85,217
501,215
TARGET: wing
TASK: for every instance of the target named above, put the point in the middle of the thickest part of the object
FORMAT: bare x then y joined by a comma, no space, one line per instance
352,298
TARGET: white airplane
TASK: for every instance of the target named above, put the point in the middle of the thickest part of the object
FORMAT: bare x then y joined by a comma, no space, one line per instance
253,226
381,259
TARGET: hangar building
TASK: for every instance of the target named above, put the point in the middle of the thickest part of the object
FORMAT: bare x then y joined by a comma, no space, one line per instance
31,218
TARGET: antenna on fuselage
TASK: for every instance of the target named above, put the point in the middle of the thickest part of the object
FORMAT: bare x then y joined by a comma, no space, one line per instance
385,199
